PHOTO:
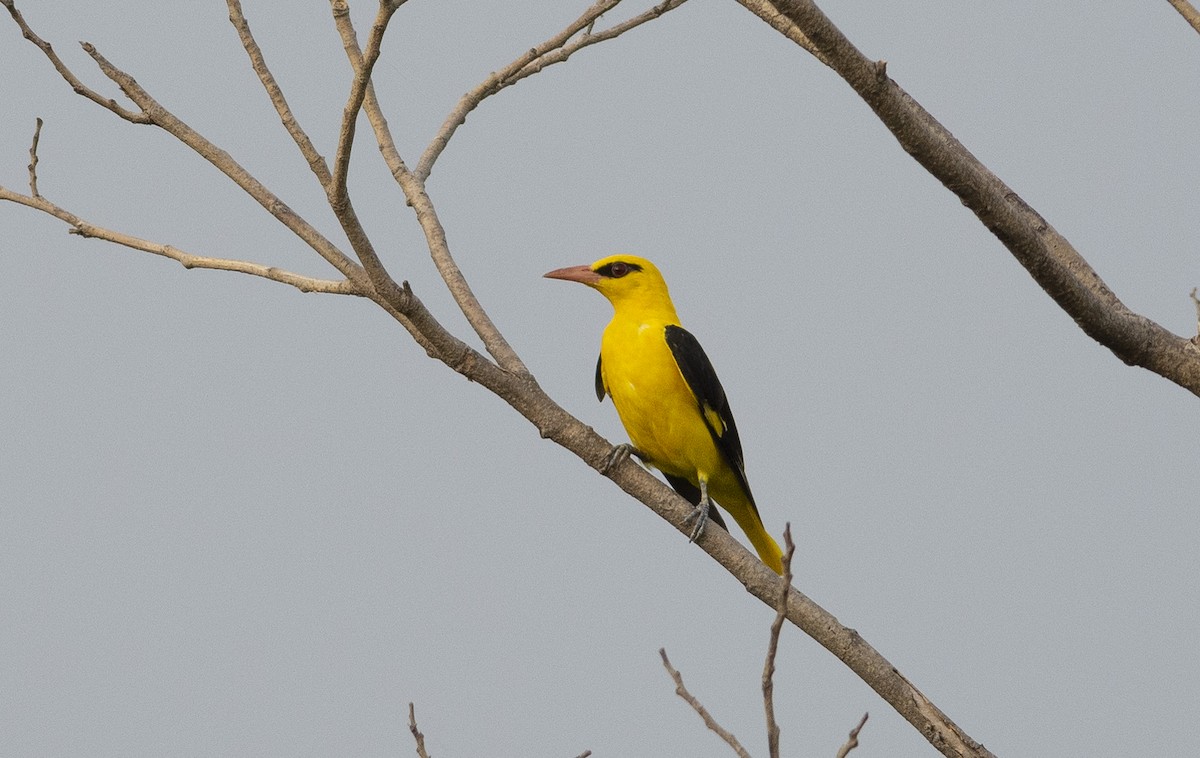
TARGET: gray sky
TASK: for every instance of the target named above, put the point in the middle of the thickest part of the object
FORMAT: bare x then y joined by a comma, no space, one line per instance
239,520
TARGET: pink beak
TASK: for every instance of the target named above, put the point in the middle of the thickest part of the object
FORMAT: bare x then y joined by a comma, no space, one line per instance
581,274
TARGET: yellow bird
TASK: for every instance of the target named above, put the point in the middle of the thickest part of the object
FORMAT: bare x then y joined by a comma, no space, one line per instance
669,398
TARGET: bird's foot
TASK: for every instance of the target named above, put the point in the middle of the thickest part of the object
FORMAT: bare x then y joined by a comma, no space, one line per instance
699,514
617,457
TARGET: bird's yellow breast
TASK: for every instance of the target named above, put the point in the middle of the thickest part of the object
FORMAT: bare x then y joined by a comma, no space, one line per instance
658,410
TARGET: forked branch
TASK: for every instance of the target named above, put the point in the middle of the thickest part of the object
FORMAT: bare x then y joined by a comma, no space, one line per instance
417,198
66,73
157,114
852,742
554,50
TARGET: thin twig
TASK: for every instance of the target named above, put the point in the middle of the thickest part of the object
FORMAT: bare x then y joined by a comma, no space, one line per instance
316,161
416,733
691,700
554,50
569,49
496,82
1196,301
853,741
1188,11
768,685
66,73
187,260
33,159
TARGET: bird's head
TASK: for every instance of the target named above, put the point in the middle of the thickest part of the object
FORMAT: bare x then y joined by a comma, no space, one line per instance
623,279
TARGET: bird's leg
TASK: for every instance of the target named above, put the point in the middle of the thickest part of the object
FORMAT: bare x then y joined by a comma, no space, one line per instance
699,514
617,456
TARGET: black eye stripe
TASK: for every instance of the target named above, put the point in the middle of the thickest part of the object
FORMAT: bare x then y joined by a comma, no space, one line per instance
617,269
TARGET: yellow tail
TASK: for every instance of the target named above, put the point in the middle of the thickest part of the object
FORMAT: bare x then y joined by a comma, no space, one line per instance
764,544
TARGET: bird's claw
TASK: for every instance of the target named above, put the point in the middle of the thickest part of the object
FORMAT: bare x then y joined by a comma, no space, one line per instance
617,457
699,514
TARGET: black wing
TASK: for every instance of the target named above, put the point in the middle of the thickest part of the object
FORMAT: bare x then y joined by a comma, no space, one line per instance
599,382
698,372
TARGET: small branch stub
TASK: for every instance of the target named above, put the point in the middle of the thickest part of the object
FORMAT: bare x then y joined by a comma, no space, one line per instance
33,161
1196,302
853,741
416,733
768,685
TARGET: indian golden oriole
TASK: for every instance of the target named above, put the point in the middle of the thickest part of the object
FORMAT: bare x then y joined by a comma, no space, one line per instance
669,398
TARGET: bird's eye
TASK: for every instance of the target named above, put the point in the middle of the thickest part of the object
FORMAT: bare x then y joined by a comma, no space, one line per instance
619,269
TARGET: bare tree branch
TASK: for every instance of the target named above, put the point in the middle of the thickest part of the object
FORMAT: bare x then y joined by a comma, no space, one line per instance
188,260
852,743
554,50
587,38
416,733
782,24
1056,266
872,667
1188,11
389,294
339,197
397,301
33,159
497,81
358,89
77,85
316,162
422,205
691,700
768,685
223,161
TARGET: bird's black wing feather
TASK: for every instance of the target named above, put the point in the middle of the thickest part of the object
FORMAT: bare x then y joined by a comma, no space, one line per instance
700,376
599,382
691,493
